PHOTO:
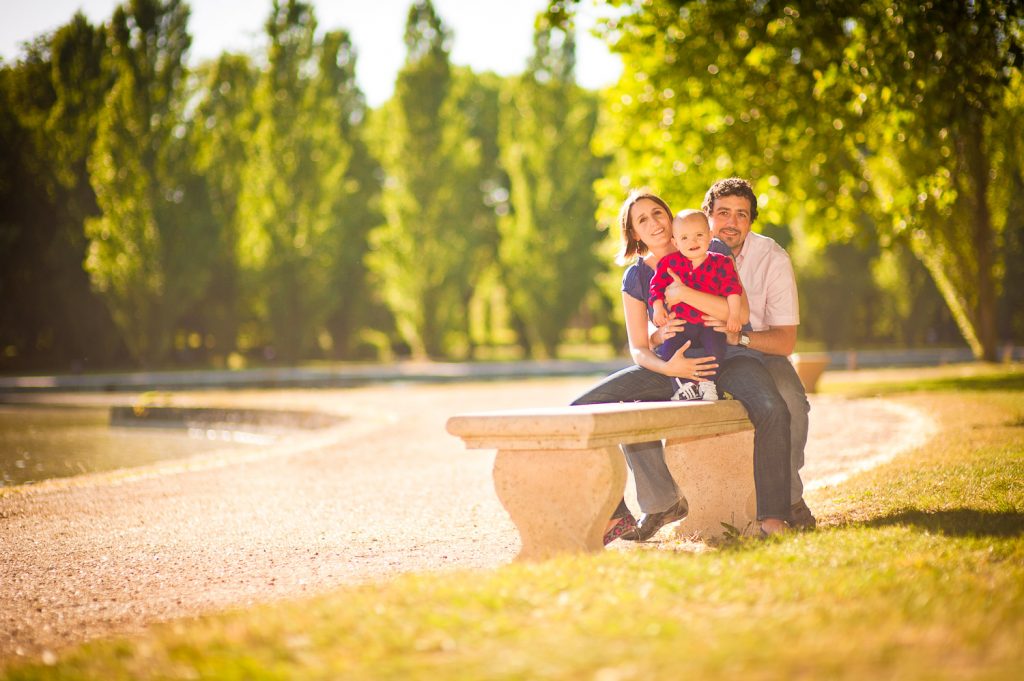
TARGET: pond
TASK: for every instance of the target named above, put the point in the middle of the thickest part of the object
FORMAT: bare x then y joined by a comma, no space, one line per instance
39,443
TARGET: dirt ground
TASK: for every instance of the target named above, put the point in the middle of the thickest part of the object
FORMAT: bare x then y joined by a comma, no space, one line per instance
388,492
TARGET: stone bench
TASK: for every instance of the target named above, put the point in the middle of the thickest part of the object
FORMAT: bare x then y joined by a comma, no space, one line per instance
560,473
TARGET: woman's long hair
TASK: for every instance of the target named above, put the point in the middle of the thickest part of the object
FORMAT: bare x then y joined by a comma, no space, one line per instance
631,246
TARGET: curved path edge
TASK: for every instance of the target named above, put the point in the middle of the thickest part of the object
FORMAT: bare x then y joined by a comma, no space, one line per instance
387,492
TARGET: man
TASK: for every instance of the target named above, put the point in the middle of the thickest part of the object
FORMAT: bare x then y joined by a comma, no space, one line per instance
756,369
768,280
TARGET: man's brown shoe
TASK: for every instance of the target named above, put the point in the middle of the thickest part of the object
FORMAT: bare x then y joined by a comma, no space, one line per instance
800,517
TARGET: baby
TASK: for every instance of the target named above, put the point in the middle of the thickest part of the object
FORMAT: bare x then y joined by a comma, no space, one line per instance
702,271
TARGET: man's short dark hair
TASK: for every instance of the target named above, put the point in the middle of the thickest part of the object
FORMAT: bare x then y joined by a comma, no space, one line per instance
732,186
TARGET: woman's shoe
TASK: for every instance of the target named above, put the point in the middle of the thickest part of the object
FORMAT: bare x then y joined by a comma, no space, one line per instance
650,523
622,528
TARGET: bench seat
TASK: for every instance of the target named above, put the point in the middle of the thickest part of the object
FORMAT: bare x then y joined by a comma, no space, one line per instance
559,471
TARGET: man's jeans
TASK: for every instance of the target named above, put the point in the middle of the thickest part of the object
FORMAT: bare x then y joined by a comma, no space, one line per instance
748,381
792,391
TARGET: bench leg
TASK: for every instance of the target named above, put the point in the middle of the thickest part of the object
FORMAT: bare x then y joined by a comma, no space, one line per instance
559,500
716,475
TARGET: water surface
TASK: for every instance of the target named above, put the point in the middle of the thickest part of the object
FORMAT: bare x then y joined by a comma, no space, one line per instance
38,443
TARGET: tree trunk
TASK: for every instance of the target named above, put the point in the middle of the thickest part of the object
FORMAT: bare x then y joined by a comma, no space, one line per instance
522,336
467,300
983,238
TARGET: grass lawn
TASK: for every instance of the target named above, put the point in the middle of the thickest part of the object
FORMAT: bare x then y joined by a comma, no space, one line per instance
917,572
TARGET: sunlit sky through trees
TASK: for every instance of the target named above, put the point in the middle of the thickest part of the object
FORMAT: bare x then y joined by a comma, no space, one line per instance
488,35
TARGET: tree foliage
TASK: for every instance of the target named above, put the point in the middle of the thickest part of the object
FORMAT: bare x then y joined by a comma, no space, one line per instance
220,133
257,205
49,317
151,246
423,256
478,97
352,192
296,183
547,242
943,153
50,103
896,115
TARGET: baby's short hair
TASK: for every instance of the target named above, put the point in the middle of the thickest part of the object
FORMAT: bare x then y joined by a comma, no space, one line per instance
691,212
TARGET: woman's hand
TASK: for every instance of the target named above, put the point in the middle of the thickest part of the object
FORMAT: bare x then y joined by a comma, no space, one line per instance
673,326
694,368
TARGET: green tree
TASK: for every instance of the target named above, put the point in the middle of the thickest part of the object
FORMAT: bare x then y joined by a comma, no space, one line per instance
547,248
909,310
219,133
478,98
888,297
22,194
423,257
1011,303
895,114
150,249
352,190
296,180
80,84
943,154
51,99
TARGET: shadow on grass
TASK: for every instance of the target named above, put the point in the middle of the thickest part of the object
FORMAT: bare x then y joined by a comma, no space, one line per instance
961,522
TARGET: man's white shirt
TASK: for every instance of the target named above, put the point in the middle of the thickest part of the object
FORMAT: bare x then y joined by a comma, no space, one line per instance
768,279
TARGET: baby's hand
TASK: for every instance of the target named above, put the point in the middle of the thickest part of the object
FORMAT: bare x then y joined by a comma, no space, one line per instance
660,314
732,325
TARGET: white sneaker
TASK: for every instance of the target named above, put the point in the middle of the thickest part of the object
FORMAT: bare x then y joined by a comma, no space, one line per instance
708,391
686,391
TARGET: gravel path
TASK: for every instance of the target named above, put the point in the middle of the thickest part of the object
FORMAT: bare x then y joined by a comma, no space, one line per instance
388,492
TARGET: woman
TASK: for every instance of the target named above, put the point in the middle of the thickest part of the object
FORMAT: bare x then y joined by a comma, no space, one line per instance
645,221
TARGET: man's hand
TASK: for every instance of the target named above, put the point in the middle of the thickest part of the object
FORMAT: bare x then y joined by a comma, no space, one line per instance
775,340
731,337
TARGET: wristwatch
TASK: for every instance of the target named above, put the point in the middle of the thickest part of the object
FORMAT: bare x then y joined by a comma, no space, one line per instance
744,340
